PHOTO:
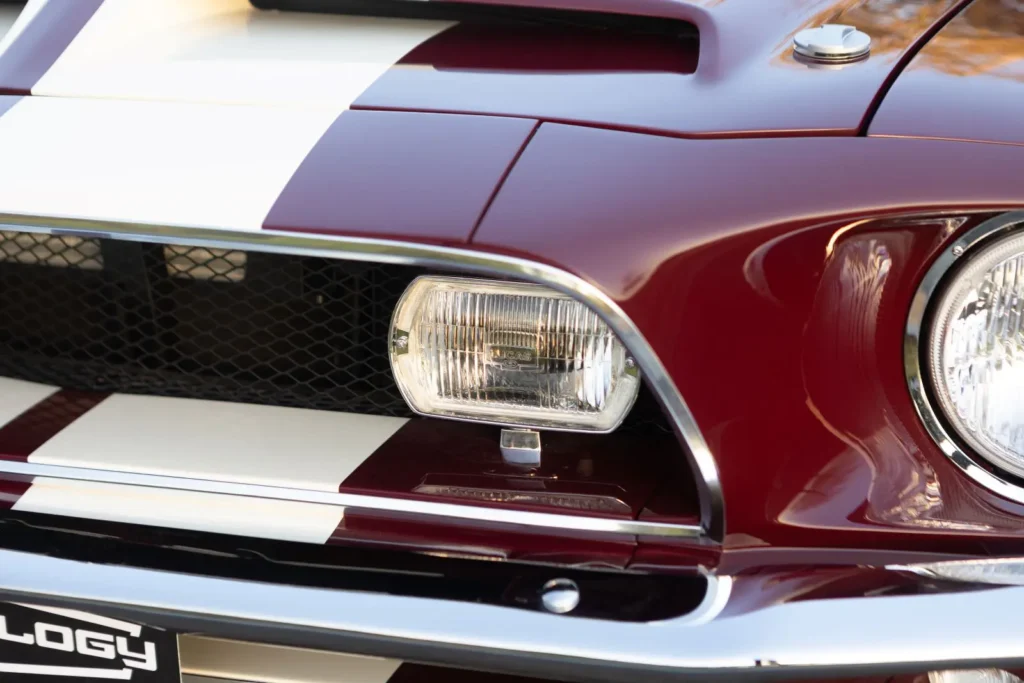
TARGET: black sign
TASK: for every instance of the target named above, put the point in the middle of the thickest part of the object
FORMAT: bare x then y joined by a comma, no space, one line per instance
46,645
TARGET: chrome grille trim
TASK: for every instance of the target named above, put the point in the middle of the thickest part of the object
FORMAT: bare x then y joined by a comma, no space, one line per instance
702,463
467,514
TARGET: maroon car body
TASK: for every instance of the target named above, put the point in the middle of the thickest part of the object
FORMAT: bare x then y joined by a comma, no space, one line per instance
762,222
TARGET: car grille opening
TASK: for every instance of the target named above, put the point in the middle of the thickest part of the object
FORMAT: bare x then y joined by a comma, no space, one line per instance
219,324
105,315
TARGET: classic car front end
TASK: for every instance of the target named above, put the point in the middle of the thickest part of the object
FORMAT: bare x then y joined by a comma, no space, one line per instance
507,340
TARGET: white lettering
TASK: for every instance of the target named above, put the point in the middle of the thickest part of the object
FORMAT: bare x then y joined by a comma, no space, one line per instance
95,644
44,633
145,660
25,639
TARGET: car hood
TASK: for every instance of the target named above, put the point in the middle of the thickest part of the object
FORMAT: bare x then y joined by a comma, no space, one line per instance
735,76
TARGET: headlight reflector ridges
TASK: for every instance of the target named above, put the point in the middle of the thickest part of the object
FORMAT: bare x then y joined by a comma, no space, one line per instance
976,353
509,353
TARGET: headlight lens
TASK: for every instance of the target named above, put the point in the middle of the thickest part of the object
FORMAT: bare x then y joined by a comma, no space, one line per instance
509,353
976,353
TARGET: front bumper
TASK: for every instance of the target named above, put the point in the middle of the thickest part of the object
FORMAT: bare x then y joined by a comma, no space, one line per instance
813,638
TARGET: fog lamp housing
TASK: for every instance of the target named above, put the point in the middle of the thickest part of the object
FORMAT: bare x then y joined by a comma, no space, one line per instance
511,354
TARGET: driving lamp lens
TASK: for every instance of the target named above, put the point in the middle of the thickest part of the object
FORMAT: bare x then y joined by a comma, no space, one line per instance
976,354
509,353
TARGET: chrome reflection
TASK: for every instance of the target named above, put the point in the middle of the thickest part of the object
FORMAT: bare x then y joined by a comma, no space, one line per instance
972,676
999,571
700,459
802,638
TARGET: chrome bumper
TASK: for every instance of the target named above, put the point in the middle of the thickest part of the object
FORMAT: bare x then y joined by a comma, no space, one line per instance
850,636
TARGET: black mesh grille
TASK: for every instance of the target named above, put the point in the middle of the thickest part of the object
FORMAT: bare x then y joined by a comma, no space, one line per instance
106,315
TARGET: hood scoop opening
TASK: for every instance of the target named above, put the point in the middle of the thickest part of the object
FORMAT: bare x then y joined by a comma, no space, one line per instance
538,13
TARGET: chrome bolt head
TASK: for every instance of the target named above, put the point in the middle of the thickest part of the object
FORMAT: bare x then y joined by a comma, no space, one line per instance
560,596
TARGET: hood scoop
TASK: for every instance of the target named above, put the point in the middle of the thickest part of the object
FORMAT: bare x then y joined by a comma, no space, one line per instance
658,17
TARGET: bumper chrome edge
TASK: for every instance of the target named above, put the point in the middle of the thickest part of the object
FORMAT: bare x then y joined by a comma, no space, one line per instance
848,636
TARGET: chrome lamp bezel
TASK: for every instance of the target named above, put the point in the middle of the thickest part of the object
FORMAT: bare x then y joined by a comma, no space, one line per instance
915,348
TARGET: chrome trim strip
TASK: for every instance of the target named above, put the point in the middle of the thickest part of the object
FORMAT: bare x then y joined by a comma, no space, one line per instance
996,571
466,514
829,637
216,658
712,503
972,465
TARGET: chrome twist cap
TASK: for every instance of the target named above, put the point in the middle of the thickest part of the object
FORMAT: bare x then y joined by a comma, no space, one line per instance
832,43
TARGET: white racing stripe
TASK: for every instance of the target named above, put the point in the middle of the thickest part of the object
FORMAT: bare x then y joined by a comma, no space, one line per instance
77,672
215,513
192,165
234,442
16,397
226,102
132,629
225,51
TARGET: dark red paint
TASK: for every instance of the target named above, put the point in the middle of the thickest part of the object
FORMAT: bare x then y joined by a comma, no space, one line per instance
10,492
761,588
779,316
746,81
42,41
967,83
23,435
439,172
460,539
432,459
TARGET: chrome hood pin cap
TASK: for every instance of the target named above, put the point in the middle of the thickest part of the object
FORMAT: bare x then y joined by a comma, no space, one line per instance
832,43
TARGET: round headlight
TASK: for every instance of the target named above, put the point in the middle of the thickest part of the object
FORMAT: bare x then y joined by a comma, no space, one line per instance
973,353
976,353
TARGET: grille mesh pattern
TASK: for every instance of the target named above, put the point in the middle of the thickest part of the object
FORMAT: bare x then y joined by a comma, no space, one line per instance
106,315
223,325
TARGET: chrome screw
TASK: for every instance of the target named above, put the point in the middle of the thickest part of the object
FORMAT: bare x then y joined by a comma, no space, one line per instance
958,250
560,596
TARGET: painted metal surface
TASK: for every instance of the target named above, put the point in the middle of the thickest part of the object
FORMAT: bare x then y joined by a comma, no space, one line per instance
193,164
778,301
227,52
443,168
407,253
39,35
746,82
365,455
967,83
571,200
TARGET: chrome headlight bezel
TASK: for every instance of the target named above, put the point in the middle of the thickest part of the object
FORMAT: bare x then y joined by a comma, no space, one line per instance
963,451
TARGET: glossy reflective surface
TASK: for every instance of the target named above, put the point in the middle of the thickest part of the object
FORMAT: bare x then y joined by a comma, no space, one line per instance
778,301
439,172
746,80
40,42
968,81
865,634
